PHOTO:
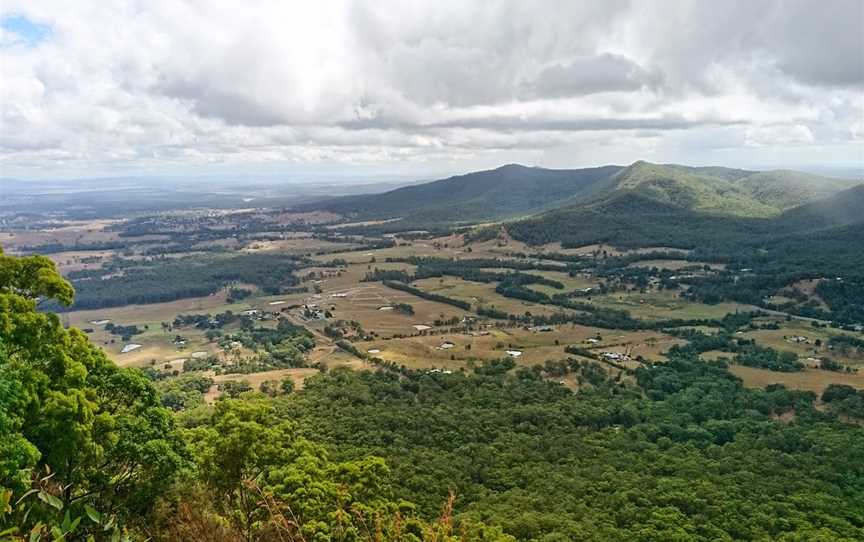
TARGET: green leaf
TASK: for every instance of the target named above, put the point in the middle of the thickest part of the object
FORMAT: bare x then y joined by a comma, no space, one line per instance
94,516
5,499
50,500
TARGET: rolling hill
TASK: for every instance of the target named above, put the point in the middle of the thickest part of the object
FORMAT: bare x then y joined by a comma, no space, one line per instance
784,189
636,218
507,191
825,235
514,191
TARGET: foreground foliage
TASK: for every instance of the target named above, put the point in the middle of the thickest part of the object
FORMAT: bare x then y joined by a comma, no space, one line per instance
680,452
98,431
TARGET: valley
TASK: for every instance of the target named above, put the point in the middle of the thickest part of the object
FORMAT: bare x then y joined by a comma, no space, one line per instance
470,357
332,275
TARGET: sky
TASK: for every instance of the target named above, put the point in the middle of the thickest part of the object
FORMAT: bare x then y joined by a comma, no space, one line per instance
206,87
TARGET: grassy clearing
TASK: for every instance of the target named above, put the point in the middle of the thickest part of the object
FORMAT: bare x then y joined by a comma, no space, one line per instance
588,250
674,265
297,246
666,304
814,380
478,292
779,339
425,351
362,303
73,232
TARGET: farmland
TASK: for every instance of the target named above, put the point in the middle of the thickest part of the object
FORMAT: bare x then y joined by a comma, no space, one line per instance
328,272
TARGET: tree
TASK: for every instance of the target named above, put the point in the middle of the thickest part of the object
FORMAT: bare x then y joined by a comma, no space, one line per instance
65,408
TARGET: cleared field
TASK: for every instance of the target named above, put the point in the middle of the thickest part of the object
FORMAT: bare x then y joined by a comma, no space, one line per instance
442,247
674,265
570,283
782,339
363,301
665,304
73,232
297,246
157,344
431,351
478,292
814,380
588,250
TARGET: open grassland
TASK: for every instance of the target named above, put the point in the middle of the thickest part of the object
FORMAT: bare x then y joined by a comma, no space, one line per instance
480,293
601,248
814,380
364,301
783,339
661,305
71,233
82,259
297,246
674,265
570,283
432,351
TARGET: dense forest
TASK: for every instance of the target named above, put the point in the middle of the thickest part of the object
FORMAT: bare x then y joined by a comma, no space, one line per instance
675,451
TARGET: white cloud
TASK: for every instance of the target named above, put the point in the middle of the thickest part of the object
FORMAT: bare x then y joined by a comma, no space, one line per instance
160,85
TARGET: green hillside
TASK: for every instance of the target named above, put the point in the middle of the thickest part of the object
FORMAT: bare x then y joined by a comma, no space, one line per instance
829,231
507,191
784,189
690,189
515,191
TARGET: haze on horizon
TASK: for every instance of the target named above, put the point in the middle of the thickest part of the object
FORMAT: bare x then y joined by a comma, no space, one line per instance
167,88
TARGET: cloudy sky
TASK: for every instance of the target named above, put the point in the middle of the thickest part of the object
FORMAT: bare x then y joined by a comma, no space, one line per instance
166,87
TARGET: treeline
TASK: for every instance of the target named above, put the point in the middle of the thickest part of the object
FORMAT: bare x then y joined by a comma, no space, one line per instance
844,400
124,332
131,282
458,303
206,321
472,270
845,298
746,351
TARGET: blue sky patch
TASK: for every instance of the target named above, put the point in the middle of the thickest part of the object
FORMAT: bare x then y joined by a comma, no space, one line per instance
26,31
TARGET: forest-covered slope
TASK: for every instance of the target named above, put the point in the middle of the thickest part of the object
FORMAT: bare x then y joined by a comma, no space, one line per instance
824,236
514,191
510,190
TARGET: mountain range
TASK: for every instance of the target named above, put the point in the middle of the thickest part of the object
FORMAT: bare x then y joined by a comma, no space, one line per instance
516,191
805,221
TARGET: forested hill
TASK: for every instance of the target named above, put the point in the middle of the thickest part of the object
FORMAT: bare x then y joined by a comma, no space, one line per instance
841,209
514,190
819,237
507,191
727,191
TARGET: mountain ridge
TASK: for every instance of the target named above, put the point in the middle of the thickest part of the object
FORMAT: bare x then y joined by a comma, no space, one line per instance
515,191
